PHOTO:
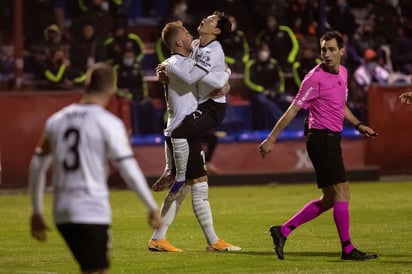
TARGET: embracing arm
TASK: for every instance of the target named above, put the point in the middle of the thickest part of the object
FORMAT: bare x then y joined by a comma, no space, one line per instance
186,71
217,79
219,72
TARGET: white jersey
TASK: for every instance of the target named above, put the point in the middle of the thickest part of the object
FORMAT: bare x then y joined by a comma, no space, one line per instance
180,95
211,58
82,138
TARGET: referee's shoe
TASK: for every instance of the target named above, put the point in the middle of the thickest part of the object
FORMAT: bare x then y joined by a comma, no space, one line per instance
279,240
357,255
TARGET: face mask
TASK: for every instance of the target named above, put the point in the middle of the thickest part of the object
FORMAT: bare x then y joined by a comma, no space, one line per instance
128,62
183,8
272,24
52,35
263,55
233,28
105,6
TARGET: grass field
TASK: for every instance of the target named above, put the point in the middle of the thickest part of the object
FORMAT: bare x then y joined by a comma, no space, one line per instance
381,216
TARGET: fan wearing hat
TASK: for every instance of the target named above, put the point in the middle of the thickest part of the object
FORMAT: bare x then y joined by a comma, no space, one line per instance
370,71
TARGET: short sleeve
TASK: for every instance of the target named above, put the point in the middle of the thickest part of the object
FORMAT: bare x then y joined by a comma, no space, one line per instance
308,92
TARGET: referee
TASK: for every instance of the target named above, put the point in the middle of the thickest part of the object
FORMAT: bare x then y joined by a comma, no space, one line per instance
323,92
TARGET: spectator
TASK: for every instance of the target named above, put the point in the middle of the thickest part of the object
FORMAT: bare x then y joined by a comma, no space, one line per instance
239,9
264,78
122,40
341,18
236,48
53,39
96,14
131,85
42,50
401,50
386,20
6,66
370,71
59,73
38,14
162,52
368,38
262,8
306,12
130,82
406,8
281,41
352,58
113,6
308,59
176,11
6,20
87,49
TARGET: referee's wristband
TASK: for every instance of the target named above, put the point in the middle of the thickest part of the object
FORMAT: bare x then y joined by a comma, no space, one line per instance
358,125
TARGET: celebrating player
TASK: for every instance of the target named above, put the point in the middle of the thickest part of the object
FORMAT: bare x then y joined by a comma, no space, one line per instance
323,92
78,140
181,102
209,56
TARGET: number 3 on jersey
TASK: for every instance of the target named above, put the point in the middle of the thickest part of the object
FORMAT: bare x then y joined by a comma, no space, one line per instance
72,159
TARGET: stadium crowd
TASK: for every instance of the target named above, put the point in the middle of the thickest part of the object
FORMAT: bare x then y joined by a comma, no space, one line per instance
273,44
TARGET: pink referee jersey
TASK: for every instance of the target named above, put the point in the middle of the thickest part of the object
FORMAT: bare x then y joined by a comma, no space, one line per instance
324,94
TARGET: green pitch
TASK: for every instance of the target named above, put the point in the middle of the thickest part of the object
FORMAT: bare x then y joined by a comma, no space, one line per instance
381,222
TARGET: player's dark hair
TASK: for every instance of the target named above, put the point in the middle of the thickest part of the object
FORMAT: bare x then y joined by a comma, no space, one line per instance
169,32
99,77
333,34
224,25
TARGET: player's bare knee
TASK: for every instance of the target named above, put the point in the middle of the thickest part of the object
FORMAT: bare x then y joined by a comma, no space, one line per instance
327,202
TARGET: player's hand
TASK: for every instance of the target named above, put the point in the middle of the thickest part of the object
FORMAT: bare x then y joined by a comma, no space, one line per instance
265,147
162,74
154,219
406,98
217,93
38,227
367,131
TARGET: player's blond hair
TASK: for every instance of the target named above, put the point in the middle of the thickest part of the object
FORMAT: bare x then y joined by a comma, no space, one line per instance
170,32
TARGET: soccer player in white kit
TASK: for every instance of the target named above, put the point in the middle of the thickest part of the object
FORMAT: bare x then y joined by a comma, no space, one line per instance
209,56
181,101
78,140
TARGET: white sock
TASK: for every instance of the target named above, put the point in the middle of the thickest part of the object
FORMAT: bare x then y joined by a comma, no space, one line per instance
181,155
169,210
202,210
